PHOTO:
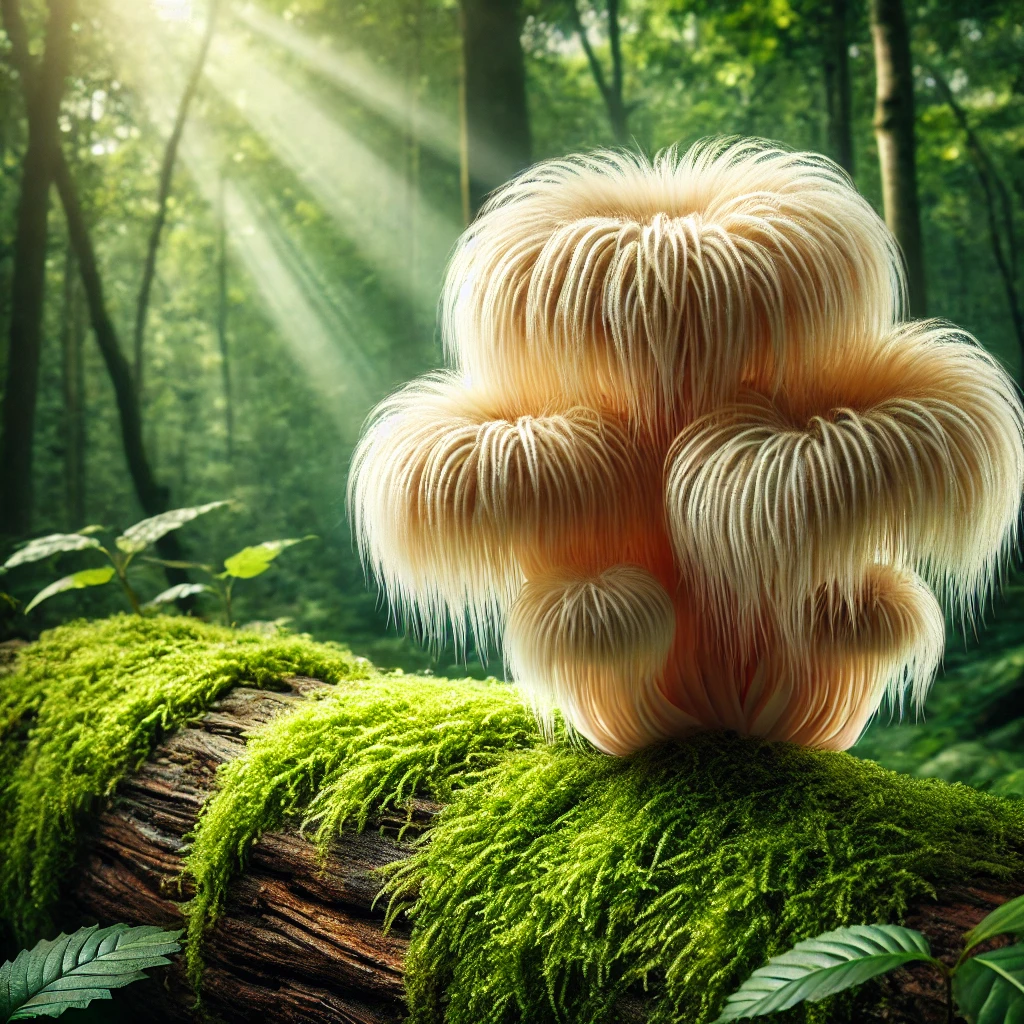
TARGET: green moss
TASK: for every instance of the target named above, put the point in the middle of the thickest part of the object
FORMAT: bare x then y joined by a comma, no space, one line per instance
556,880
334,762
83,709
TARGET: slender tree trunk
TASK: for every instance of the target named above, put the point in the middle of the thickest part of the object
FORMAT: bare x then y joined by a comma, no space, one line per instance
610,90
42,103
222,319
497,121
412,182
999,209
838,95
153,496
164,191
73,381
895,134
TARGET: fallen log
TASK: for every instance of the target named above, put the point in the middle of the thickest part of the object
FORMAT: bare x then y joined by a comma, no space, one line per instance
304,941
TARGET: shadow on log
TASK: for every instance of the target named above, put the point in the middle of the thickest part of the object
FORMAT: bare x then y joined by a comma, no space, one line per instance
302,941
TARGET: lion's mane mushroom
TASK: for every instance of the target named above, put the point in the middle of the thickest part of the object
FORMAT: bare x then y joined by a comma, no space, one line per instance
688,468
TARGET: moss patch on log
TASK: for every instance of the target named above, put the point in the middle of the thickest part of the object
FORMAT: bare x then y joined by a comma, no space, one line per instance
556,880
83,709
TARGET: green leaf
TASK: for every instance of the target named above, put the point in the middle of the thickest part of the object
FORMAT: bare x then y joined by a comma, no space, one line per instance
76,581
820,967
1005,920
250,562
138,537
989,988
71,970
54,544
176,593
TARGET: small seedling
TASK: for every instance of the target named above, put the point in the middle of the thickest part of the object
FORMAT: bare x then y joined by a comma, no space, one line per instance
70,971
987,988
120,554
243,565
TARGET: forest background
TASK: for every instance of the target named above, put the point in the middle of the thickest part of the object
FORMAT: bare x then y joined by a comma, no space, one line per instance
223,228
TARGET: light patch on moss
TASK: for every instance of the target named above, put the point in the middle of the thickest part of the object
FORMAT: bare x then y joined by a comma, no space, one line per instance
84,708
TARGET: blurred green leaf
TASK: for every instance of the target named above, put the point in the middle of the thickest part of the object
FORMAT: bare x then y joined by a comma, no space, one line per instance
76,581
138,537
54,544
176,593
253,561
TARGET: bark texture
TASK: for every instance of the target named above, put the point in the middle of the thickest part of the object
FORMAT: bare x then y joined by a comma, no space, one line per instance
497,124
299,943
896,138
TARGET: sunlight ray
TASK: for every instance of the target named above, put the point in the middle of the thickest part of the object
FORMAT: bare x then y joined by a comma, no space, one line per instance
359,190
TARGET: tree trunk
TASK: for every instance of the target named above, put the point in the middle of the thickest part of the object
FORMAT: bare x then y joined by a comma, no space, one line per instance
42,105
496,118
222,318
73,386
153,496
611,91
164,191
895,134
838,96
301,942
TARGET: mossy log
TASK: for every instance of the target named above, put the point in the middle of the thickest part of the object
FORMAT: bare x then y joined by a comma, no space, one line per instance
304,941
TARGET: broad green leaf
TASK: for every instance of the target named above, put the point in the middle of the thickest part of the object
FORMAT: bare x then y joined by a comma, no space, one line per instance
138,537
1005,920
989,987
250,562
54,544
176,593
820,967
71,970
76,581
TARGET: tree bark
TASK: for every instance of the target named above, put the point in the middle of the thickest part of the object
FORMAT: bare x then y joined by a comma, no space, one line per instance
611,91
896,138
497,124
42,104
73,386
838,95
302,942
222,319
164,191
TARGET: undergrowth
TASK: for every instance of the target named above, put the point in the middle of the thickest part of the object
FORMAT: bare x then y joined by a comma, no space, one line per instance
556,884
83,709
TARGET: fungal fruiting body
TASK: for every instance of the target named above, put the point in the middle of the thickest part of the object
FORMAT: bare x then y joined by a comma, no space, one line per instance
688,469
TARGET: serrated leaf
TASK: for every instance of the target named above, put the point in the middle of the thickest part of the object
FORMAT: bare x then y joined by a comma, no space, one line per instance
989,987
1005,920
823,966
138,537
176,593
71,970
54,544
253,561
76,581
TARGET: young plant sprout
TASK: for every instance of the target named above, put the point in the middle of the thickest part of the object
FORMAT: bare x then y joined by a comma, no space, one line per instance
244,565
688,466
120,554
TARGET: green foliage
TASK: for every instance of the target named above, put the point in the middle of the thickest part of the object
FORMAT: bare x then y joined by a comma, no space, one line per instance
130,543
70,971
988,988
254,561
76,581
825,965
84,707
